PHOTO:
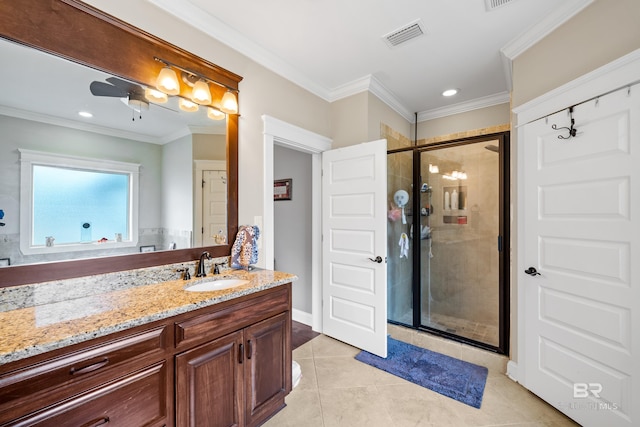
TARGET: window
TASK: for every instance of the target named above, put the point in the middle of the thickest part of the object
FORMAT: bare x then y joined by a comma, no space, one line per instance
76,204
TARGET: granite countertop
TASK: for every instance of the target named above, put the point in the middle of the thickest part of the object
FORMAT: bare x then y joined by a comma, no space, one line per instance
28,331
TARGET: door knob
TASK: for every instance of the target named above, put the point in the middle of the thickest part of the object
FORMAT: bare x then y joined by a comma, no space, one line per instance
531,271
378,259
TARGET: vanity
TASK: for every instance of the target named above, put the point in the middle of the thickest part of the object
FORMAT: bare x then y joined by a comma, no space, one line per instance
113,338
150,355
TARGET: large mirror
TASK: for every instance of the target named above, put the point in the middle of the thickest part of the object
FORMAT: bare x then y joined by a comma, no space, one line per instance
185,193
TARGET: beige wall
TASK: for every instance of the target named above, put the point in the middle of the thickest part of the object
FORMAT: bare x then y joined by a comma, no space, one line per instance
602,32
380,113
358,118
349,120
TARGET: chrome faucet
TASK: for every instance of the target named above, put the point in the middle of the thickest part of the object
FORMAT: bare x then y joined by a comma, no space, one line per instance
201,268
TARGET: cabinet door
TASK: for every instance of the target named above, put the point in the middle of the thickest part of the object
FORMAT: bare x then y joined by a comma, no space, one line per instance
209,384
267,367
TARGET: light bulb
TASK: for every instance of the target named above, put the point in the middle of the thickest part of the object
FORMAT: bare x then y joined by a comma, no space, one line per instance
229,103
155,96
214,114
167,81
186,105
201,93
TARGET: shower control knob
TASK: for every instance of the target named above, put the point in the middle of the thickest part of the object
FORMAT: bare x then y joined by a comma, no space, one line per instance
531,271
377,259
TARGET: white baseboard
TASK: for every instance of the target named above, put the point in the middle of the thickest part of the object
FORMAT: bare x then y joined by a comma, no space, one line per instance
512,371
302,317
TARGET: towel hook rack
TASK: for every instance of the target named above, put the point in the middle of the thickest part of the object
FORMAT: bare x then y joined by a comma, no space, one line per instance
572,130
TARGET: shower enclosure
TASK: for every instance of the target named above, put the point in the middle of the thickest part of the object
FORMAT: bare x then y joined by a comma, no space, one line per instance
447,255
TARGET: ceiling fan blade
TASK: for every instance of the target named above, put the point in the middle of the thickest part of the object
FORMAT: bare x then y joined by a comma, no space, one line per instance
128,87
105,89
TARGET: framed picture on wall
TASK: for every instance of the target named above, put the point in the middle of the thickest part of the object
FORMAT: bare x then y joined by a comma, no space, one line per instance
282,189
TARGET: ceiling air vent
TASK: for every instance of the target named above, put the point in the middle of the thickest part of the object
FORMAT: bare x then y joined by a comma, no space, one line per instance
494,4
404,34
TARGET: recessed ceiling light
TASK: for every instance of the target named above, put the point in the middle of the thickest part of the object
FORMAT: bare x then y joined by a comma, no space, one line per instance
449,92
85,114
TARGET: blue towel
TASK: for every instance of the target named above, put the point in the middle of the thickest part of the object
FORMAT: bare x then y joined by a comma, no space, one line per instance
244,251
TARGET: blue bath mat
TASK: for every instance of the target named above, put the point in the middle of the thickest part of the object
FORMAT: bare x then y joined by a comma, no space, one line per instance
451,377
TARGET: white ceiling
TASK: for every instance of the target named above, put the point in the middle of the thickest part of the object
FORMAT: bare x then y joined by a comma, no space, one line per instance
335,48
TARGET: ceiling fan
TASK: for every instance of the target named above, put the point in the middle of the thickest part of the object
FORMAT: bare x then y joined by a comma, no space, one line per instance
118,88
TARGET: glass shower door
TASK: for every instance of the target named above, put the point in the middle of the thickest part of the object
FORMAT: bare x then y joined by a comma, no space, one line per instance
399,250
459,260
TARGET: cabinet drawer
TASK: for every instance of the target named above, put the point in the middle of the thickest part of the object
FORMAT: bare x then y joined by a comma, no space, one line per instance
215,324
55,379
138,399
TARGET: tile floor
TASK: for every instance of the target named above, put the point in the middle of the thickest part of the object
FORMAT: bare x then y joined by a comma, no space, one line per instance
337,390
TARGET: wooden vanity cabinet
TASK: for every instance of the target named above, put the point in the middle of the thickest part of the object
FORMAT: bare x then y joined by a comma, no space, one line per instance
85,384
228,364
241,378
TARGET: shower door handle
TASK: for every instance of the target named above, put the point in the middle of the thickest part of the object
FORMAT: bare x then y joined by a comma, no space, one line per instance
378,259
531,271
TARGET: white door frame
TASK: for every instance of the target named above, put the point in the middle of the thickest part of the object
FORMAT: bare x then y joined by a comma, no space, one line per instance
277,132
612,76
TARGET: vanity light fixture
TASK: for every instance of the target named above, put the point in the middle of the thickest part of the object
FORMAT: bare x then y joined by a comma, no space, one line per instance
229,103
167,81
155,96
214,114
201,94
186,105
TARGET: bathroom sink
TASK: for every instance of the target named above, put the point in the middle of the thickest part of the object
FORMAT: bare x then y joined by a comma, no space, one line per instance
216,285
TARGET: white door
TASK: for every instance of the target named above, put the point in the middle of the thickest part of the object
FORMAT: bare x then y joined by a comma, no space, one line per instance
214,206
582,222
354,244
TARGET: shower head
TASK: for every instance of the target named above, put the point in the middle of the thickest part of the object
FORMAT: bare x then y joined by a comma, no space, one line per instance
493,148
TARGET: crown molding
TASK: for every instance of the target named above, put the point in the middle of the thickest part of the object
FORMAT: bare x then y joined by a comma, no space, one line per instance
463,107
213,27
537,32
373,85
